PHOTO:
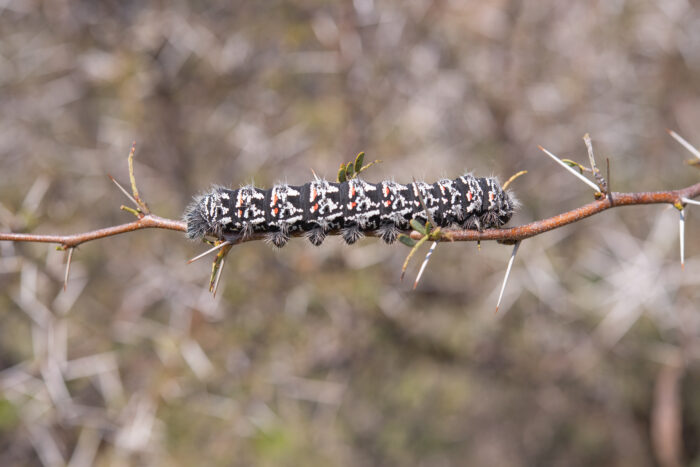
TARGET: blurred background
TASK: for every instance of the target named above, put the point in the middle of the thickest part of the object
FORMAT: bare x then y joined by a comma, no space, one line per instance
321,356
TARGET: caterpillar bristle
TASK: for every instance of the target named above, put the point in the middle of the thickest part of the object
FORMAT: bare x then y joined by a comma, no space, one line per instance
316,236
352,207
277,238
352,234
389,233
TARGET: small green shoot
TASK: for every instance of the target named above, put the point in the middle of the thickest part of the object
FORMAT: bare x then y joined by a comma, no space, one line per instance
353,169
580,167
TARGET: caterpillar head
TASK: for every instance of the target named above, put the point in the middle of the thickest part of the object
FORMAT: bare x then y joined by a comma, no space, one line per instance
206,215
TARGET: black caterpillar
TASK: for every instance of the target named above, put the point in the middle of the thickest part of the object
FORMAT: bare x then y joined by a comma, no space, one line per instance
352,207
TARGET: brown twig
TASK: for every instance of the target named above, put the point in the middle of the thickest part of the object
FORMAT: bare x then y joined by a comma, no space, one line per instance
151,221
673,197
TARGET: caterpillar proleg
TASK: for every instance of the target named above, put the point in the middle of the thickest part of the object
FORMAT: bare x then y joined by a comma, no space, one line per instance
352,207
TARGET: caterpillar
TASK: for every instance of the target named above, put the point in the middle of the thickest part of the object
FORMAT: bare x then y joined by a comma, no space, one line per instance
352,207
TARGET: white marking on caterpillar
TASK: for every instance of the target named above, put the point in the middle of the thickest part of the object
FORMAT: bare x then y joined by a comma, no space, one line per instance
352,207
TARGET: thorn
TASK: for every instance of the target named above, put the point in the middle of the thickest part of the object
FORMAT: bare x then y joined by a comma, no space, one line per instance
411,253
684,143
315,176
217,267
589,148
425,263
602,182
682,235
215,286
65,278
690,201
505,279
512,179
576,174
126,193
211,250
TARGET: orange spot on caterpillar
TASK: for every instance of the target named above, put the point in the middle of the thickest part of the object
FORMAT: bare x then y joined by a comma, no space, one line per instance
313,194
275,211
240,213
387,203
275,199
352,192
352,205
386,191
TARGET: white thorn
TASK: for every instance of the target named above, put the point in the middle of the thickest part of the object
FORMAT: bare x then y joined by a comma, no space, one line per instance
217,247
425,263
563,164
65,278
682,234
126,193
690,201
589,147
218,276
505,279
684,143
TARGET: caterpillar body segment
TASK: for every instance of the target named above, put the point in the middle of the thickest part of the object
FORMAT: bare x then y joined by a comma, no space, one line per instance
352,207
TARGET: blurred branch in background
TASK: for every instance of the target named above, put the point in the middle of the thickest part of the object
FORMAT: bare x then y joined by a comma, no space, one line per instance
320,356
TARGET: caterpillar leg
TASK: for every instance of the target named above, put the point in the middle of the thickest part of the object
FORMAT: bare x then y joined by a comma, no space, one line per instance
278,238
351,234
316,236
388,232
472,223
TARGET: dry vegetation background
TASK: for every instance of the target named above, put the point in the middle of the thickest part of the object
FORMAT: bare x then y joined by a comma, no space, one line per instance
320,356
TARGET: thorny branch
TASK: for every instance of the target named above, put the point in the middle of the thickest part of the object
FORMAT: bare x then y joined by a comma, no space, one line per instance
149,221
605,200
614,200
510,235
